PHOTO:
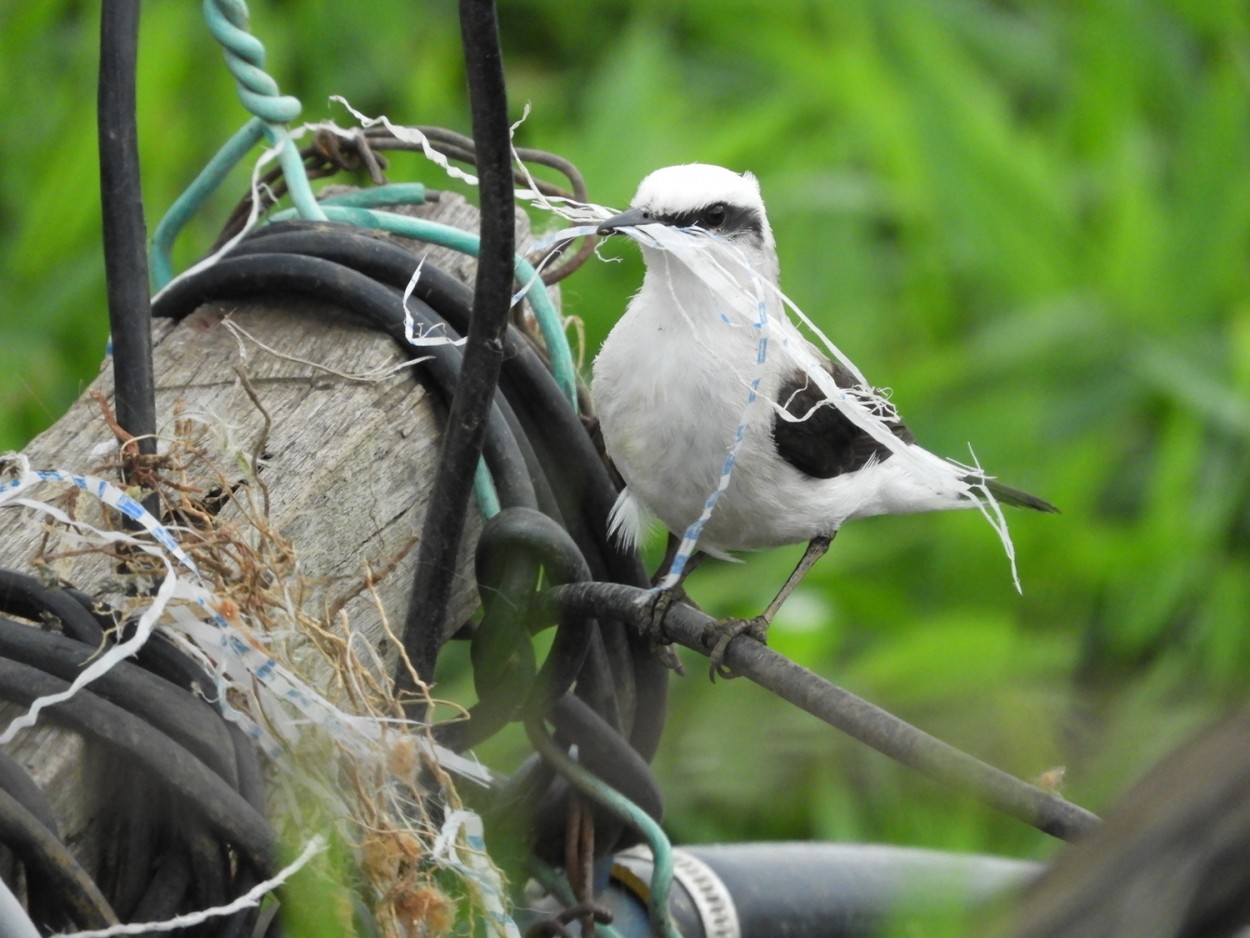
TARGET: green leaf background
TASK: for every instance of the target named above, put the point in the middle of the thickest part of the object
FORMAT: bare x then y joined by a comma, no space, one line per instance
1030,219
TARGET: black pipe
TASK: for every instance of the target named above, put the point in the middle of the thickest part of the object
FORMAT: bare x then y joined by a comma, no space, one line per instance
125,234
806,890
483,355
584,493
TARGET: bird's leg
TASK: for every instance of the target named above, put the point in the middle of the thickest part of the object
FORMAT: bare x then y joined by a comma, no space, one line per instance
663,599
757,628
670,553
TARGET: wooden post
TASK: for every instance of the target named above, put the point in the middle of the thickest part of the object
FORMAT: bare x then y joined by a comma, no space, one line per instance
346,446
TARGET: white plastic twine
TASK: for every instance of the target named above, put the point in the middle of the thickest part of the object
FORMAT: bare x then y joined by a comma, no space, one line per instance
26,479
199,626
248,900
461,845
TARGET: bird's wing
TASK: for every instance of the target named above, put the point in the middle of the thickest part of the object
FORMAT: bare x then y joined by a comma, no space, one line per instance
823,442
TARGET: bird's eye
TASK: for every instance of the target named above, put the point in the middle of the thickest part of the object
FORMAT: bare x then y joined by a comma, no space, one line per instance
713,215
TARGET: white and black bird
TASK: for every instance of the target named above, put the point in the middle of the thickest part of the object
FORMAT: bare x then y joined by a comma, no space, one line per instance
674,378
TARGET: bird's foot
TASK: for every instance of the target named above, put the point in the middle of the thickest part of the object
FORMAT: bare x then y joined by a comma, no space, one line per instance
657,606
726,630
652,625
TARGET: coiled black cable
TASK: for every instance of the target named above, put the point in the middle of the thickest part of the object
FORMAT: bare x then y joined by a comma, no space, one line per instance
24,596
187,720
583,491
286,275
552,483
63,893
165,803
153,752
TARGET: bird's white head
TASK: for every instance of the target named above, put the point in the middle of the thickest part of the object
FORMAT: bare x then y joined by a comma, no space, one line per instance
710,197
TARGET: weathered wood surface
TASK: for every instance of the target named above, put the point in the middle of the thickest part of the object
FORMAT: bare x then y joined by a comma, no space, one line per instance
347,464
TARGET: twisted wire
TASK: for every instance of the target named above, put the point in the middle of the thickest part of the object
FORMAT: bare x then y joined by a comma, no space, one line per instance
245,57
228,22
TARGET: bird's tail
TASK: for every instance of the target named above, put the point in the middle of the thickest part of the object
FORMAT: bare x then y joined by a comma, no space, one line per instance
1012,496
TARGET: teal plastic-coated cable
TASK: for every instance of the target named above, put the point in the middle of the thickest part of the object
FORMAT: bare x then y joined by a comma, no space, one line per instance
227,20
466,242
245,57
394,193
484,489
194,196
607,796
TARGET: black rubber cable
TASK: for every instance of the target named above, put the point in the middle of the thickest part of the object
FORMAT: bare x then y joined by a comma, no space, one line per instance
210,867
513,546
603,752
133,830
167,889
17,782
27,598
483,356
52,867
186,720
841,709
229,814
125,233
247,762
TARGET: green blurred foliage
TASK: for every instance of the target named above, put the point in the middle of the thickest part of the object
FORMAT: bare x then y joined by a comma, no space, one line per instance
1031,219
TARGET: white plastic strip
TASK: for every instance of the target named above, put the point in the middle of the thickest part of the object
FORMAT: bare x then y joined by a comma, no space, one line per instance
248,900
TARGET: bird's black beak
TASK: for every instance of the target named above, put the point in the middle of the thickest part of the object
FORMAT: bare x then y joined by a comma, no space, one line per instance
630,219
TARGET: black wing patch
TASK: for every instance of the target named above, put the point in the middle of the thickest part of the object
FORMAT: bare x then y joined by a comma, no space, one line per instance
826,443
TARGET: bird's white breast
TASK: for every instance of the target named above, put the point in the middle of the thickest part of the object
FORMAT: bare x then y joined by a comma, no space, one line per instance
671,386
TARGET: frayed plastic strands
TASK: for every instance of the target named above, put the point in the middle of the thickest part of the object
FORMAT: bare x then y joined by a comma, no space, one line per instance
411,336
409,135
545,246
474,865
231,653
243,662
248,900
109,494
117,499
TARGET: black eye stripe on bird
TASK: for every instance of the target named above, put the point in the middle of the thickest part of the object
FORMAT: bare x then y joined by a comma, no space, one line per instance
716,216
670,387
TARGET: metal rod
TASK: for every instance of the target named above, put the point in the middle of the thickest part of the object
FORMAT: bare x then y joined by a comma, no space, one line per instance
841,709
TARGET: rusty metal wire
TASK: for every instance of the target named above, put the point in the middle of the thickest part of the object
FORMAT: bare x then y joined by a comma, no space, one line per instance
335,150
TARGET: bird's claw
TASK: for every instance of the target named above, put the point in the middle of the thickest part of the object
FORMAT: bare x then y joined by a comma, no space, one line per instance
726,631
652,626
657,607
